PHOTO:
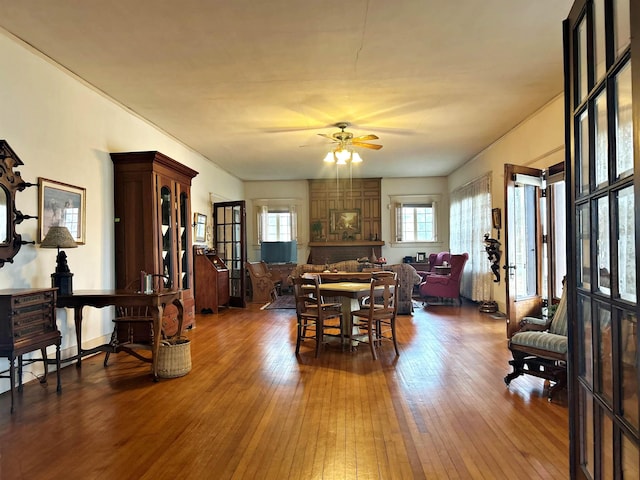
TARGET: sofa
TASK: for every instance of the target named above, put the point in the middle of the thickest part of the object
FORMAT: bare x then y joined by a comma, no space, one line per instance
407,277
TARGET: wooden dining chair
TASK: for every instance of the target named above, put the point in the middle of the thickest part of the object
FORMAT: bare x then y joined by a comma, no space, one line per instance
313,313
377,317
132,332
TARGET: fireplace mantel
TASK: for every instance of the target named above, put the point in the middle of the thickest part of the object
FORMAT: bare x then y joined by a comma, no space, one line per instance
331,252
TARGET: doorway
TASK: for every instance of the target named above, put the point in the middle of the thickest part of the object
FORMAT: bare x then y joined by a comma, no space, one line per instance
229,219
535,242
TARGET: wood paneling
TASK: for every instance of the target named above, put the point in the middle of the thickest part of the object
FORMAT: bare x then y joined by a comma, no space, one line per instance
362,194
250,408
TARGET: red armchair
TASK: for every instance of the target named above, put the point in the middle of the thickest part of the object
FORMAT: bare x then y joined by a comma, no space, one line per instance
437,259
445,286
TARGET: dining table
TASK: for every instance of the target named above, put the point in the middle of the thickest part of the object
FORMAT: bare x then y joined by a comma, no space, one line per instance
350,294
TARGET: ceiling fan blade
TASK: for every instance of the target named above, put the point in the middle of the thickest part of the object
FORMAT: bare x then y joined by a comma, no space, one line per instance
373,146
326,135
371,136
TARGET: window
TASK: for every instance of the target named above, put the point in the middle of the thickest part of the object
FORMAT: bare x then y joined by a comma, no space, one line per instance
416,223
278,227
276,223
415,219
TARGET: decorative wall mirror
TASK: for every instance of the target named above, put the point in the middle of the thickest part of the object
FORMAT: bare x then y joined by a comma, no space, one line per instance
10,183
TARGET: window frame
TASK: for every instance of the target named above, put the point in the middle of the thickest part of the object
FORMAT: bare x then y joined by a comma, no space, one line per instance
397,202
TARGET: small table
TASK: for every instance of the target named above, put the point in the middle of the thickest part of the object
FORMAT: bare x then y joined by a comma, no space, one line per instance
121,298
443,270
350,293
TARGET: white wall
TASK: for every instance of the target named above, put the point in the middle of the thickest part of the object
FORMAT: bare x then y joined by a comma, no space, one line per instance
63,130
536,142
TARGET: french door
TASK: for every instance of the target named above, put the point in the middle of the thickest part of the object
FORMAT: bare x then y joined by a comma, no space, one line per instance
602,119
535,240
523,244
229,220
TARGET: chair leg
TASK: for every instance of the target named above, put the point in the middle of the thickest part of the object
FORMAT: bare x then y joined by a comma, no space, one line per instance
319,335
393,335
301,330
371,341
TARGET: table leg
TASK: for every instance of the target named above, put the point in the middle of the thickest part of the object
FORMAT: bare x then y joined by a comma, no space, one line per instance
77,319
157,334
348,306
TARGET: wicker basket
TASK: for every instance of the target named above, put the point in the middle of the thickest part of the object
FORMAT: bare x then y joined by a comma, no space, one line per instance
174,358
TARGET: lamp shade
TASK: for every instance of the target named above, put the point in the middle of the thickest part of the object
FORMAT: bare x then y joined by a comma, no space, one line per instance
58,237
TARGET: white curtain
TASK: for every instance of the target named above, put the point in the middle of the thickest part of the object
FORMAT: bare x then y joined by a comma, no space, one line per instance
263,219
470,219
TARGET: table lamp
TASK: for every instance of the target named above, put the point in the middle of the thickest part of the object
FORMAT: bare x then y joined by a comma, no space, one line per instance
60,237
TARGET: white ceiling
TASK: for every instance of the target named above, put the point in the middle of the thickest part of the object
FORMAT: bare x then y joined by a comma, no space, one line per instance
250,84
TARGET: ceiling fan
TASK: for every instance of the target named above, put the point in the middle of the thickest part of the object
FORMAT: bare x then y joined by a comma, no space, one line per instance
344,138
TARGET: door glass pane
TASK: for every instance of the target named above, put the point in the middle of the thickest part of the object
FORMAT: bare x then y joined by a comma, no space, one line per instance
558,193
603,248
621,24
630,456
583,247
607,447
167,222
184,224
626,244
586,431
602,141
585,338
599,40
629,366
605,350
525,241
581,47
583,154
624,123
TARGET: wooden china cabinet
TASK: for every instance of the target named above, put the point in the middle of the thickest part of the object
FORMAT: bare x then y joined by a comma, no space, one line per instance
152,209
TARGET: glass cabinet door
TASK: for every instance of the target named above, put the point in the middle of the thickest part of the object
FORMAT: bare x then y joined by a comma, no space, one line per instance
183,242
166,231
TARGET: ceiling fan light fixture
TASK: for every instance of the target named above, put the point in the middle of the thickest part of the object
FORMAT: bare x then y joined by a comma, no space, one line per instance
330,158
356,158
343,155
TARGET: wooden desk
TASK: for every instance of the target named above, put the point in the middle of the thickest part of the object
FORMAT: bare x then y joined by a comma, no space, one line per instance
121,298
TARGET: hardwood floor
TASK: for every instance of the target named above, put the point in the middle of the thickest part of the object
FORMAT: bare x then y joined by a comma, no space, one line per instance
251,409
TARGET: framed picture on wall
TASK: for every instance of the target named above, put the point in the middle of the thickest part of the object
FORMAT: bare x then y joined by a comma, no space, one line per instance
199,227
344,221
61,204
496,218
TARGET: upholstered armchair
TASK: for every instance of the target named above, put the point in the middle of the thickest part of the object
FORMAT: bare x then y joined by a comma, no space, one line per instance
437,259
539,348
445,286
407,277
263,286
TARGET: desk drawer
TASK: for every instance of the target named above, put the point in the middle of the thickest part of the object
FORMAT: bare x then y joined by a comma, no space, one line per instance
33,322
